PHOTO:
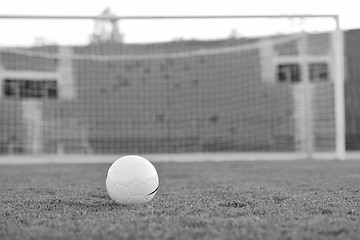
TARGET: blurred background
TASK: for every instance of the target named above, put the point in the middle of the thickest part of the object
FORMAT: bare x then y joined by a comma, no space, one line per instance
110,77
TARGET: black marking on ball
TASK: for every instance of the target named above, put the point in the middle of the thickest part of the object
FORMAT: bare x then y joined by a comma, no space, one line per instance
154,191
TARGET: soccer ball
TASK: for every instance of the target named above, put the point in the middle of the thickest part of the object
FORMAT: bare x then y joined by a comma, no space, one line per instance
132,180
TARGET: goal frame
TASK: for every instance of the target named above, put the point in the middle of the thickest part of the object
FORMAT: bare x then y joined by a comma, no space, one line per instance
337,38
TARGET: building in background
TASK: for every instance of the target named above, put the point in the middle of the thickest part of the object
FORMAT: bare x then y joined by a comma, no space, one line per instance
235,95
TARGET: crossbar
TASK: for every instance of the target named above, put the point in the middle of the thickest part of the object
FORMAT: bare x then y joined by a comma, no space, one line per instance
115,17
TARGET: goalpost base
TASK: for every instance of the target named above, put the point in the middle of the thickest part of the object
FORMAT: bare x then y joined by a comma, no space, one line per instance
178,157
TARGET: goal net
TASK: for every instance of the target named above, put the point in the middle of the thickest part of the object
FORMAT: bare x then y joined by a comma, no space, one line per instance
241,85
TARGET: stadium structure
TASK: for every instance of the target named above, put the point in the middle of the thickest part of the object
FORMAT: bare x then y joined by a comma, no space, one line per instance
235,95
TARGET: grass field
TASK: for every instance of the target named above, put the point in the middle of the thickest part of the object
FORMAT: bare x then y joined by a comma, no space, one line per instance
203,200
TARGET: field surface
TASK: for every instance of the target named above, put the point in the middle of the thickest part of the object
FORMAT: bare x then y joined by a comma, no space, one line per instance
203,200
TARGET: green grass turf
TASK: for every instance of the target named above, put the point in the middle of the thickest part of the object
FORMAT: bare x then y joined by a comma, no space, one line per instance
204,200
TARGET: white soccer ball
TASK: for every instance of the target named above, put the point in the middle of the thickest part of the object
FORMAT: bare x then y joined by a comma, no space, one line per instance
132,180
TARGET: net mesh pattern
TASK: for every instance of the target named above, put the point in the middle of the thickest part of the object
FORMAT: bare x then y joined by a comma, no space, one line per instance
232,95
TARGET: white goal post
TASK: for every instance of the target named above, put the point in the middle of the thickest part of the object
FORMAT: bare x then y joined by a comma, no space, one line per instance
257,87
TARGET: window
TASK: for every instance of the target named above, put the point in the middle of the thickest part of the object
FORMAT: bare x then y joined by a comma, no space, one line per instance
289,73
23,88
319,72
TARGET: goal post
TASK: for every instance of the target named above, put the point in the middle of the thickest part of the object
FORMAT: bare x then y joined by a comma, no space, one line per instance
339,65
175,87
